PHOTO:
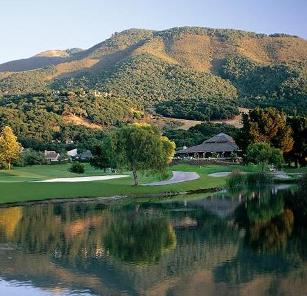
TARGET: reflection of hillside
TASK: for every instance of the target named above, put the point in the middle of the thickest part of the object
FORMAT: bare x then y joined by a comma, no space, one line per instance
161,249
45,274
203,283
68,242
219,207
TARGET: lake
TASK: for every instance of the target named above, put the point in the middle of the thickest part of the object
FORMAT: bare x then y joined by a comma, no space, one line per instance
247,243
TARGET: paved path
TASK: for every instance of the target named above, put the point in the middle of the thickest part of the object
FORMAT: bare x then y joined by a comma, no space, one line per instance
177,177
83,179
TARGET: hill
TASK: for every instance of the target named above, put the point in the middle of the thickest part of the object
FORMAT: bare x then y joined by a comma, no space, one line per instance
189,72
211,53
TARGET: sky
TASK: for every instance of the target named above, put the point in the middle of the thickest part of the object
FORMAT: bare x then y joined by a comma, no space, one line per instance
32,26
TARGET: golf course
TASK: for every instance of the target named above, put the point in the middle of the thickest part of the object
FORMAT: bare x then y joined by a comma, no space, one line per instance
25,183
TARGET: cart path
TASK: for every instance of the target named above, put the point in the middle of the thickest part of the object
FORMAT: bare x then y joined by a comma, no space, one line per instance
178,177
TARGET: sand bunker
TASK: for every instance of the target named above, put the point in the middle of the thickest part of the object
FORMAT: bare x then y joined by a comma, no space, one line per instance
220,174
83,179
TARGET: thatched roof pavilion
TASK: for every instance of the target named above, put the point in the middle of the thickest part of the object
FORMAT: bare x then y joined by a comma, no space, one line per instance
221,144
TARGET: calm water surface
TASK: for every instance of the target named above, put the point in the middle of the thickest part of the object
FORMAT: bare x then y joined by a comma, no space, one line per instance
253,243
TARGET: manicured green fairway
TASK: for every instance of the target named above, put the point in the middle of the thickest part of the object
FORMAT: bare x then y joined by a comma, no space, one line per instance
17,186
43,172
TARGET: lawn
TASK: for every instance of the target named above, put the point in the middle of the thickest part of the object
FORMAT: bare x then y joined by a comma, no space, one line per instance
301,170
43,172
16,186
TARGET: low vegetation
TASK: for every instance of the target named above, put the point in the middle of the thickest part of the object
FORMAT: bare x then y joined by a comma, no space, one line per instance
77,168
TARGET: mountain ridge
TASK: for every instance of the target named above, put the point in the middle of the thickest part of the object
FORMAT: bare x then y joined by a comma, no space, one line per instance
184,62
118,42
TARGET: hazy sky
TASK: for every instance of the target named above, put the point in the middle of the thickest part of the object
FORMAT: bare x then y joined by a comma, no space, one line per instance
32,26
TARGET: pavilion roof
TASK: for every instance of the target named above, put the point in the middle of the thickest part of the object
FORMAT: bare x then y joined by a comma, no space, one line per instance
218,143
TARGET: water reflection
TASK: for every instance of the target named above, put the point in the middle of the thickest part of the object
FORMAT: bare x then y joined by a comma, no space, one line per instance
254,243
139,236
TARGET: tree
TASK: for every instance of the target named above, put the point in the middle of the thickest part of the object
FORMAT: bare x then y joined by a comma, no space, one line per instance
264,154
32,157
298,153
10,149
136,147
101,158
267,125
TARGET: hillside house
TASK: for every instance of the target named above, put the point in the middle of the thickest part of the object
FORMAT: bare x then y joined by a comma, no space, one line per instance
51,156
72,153
86,155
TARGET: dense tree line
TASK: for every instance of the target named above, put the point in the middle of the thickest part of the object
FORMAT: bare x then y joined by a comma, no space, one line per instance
149,80
197,134
287,133
280,85
198,109
39,120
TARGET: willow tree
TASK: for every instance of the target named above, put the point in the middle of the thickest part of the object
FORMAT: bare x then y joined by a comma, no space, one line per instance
10,149
137,148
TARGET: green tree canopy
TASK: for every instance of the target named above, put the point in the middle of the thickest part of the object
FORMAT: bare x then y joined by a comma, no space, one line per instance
264,154
299,128
135,147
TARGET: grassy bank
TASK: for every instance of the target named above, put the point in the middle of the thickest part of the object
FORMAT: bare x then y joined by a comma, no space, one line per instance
17,185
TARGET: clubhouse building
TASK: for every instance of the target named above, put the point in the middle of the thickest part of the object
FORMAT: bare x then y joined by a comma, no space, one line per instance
221,146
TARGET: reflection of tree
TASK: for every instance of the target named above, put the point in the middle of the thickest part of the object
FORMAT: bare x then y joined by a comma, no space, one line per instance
297,201
271,235
259,208
93,240
9,219
139,238
264,208
274,232
69,231
268,225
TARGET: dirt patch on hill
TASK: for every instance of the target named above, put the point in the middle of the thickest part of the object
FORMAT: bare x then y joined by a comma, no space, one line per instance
77,120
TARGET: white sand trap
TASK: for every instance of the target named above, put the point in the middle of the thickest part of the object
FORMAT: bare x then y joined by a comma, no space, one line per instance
83,179
220,174
281,175
177,177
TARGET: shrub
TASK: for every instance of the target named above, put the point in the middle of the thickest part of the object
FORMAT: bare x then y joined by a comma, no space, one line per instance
31,157
264,154
77,168
258,179
236,181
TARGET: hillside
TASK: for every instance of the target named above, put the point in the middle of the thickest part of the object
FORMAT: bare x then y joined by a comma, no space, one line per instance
189,73
192,50
199,49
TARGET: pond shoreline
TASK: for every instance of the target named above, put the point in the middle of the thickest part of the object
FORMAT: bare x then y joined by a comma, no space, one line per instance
108,199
